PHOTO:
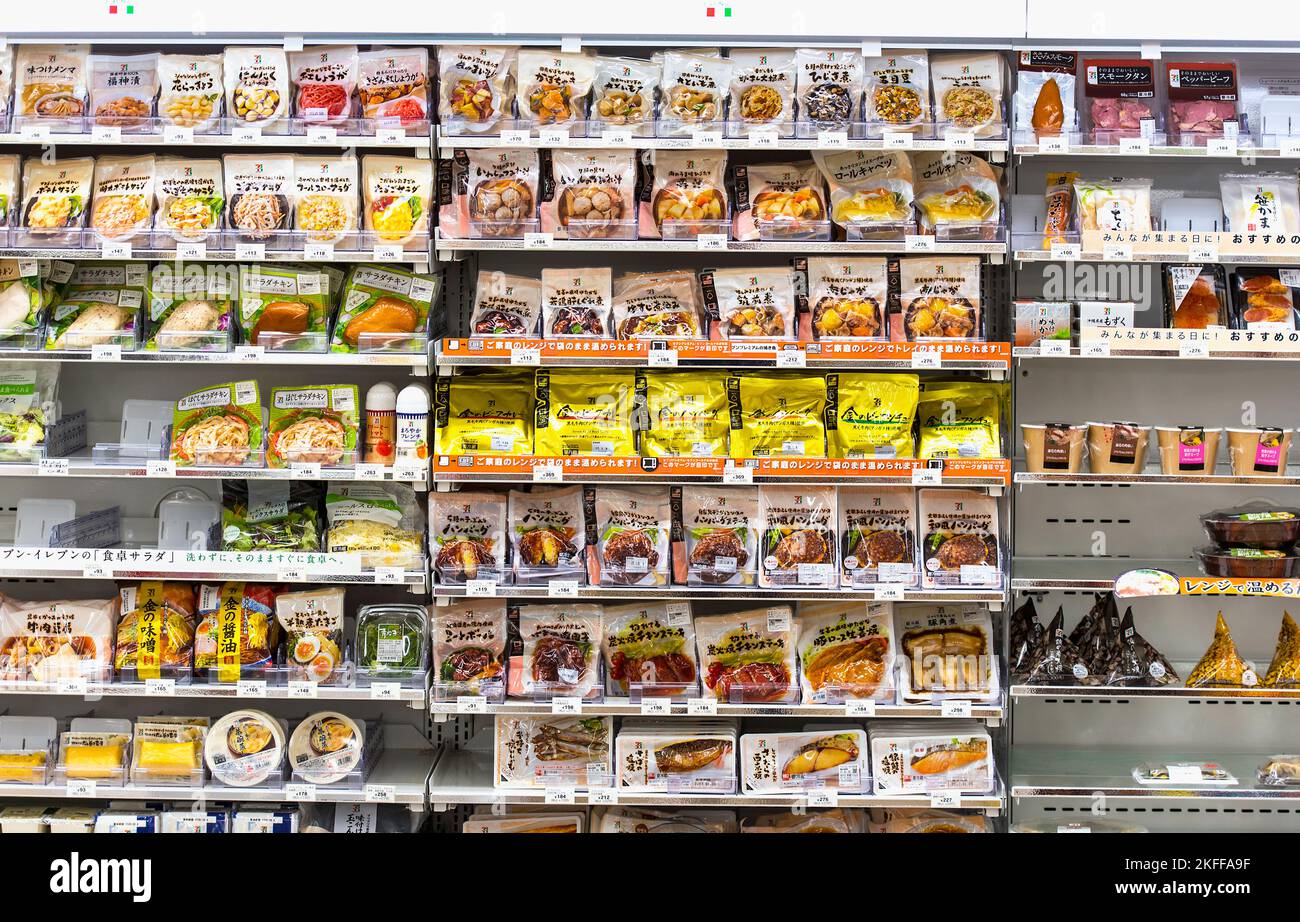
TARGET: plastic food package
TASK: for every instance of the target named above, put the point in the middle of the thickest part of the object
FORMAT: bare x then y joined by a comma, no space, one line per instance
86,318
763,88
775,415
1193,773
326,747
877,528
553,86
398,193
1280,771
156,632
469,536
489,413
393,84
650,648
191,90
871,415
10,188
1058,209
871,191
1264,299
968,88
245,748
955,189
658,305
168,750
27,392
828,85
960,545
325,198
695,90
312,622
931,755
237,633
577,303
846,651
949,652
939,298
379,521
1137,662
495,195
778,200
1259,450
258,187
959,420
1119,94
47,641
277,305
548,535
94,756
623,93
1201,97
505,305
1117,447
392,641
584,412
1260,203
688,195
190,197
564,823
20,297
593,195
1255,525
692,755
719,536
324,78
1284,669
752,303
477,86
316,424
219,425
1221,666
848,298
797,542
201,305
825,758
640,819
123,89
257,84
633,530
56,196
1196,297
561,650
1045,91
897,90
1025,629
1114,205
833,821
469,647
383,306
532,752
685,414
928,821
749,657
50,81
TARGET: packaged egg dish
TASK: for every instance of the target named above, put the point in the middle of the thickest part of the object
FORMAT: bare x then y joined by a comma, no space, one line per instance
313,625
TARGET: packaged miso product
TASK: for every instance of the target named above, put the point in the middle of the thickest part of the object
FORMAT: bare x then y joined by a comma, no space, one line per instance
828,85
797,546
897,96
469,648
650,646
776,415
686,414
484,412
505,305
633,534
959,539
753,303
593,195
548,537
553,86
577,303
763,88
877,528
848,297
940,297
584,412
658,305
720,528
1045,91
968,89
468,537
871,415
477,83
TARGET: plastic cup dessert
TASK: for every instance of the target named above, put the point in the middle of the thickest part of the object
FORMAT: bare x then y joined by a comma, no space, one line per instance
1187,449
1053,447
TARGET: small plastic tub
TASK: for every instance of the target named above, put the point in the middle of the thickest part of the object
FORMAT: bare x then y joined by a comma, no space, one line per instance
1187,449
1053,447
1255,525
1117,447
1246,563
1259,452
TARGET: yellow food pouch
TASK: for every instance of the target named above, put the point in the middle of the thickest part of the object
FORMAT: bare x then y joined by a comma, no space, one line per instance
582,411
777,415
871,416
686,414
960,421
484,414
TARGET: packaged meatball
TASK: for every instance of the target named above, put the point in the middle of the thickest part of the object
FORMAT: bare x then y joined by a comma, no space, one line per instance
797,547
1196,297
583,411
1044,97
686,414
633,536
749,656
695,90
1202,96
719,536
548,539
593,195
650,648
775,415
658,305
871,191
1264,299
477,87
779,201
553,86
846,651
688,196
968,89
959,539
325,78
468,532
897,91
500,192
577,303
561,650
877,528
828,86
469,649
1119,97
940,297
257,84
752,303
871,415
847,298
623,95
763,89
505,305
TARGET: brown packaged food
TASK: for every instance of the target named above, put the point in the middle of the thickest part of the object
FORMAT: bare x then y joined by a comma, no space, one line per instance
1196,297
1256,524
959,535
1053,447
386,315
1117,448
1258,451
1221,667
281,317
1284,670
1246,562
1187,449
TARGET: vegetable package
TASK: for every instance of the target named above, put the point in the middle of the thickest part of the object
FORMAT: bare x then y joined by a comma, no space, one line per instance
219,425
313,425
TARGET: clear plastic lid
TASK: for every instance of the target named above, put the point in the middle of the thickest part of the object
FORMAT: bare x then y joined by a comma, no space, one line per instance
392,639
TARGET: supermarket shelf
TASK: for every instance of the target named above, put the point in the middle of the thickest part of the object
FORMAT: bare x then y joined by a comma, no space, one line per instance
446,245
81,466
750,594
303,142
1165,151
240,355
992,714
1160,693
214,254
465,141
1082,574
414,696
1089,773
1075,352
1155,478
464,777
1286,256
415,579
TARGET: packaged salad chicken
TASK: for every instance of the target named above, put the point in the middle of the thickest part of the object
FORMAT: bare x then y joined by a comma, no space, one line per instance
283,308
477,86
219,426
775,415
191,311
846,650
313,425
89,317
384,309
20,297
485,413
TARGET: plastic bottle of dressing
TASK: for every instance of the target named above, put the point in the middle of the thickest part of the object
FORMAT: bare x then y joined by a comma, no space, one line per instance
413,425
381,423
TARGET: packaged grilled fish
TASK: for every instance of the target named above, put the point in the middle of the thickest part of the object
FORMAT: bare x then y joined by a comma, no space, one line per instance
846,651
797,539
719,543
469,645
650,649
548,535
677,756
561,650
468,536
921,756
749,656
775,415
532,752
949,652
877,529
633,527
960,543
582,411
823,758
686,414
484,412
870,415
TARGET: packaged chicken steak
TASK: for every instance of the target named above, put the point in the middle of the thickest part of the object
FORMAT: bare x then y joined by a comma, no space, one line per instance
650,649
749,656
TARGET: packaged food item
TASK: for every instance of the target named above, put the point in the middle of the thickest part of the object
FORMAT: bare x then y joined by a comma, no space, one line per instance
469,536
797,543
763,88
960,420
877,528
776,200
56,195
237,633
837,820
1221,666
282,307
219,425
1201,98
1181,773
1114,205
650,649
326,747
640,819
939,297
190,311
20,297
191,89
123,89
1119,94
10,189
1059,210
753,303
658,305
577,303
1196,297
94,755
398,192
6,80
1052,658
379,521
1136,662
593,195
324,78
949,650
258,187
1263,299
477,86
695,89
685,414
553,86
469,647
584,412
486,413
1281,770
1260,203
1284,669
828,86
561,650
156,633
501,192
547,535
720,527
90,317
633,530
682,755
749,656
313,625
245,748
968,88
871,191
190,197
1257,525
270,516
393,84
623,93
392,641
1247,563
848,297
168,750
871,416
506,305
1045,91
1257,451
45,641
897,90
932,821
325,198
688,196
383,307
931,756
1054,447
1117,447
313,425
776,415
257,84
960,544
846,651
824,757
955,189
532,752
27,391
50,81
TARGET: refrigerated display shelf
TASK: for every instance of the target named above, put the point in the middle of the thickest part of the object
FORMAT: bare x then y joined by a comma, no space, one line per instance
86,467
1155,478
1084,574
446,245
1077,352
773,596
1040,772
1158,693
222,255
1284,257
1272,150
172,689
416,579
240,355
990,714
321,142
449,142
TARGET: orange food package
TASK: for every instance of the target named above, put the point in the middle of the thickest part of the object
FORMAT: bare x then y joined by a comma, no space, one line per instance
1060,206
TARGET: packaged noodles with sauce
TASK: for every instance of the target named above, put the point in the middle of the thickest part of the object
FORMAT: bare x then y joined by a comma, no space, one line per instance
955,189
192,89
312,621
45,641
968,88
477,84
593,195
959,539
122,203
877,527
324,79
939,297
960,420
485,413
325,198
871,415
277,304
156,632
1044,99
695,90
219,425
469,648
652,647
237,634
686,414
623,93
383,308
949,652
190,197
848,297
561,650
258,187
749,656
763,88
88,317
778,200
584,412
633,534
56,196
20,296
553,85
505,305
398,193
50,81
393,85
379,521
468,537
28,391
577,303
688,196
313,424
658,305
257,84
1260,203
897,90
719,541
753,303
548,537
797,546
871,191
123,89
776,415
828,86
846,651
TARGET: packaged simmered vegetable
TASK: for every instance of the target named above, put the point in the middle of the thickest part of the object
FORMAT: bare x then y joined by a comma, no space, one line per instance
846,651
561,650
720,527
156,633
324,78
190,197
955,189
278,305
797,546
381,522
469,646
623,93
1196,297
477,86
313,425
695,90
1260,203
56,196
776,415
393,84
325,198
848,297
968,89
779,200
27,395
1263,299
749,657
191,311
398,192
123,88
384,308
257,84
593,195
652,648
577,303
50,81
871,415
584,412
939,298
275,515
763,88
237,631
633,530
552,86
897,90
686,414
547,535
959,420
468,535
219,426
1045,92
192,89
485,413
828,85
658,305
871,192
89,317
959,539
312,621
258,188
877,527
753,303
688,196
505,305
122,203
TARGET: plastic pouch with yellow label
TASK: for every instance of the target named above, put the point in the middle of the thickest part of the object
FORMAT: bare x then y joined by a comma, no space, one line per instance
870,416
484,414
960,421
685,414
777,416
580,411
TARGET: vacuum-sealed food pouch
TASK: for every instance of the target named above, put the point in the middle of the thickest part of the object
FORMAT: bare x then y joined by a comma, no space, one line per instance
763,88
749,656
688,195
828,86
505,305
848,297
313,425
1260,203
91,317
753,303
468,536
393,85
720,527
778,199
1196,296
191,90
1058,208
955,189
469,648
500,193
685,414
897,90
191,311
777,416
1263,299
960,420
325,198
577,303
695,89
278,304
553,86
561,650
877,528
1044,97
797,546
123,88
633,534
45,641
1202,96
584,412
548,538
932,756
258,188
870,415
237,630
20,296
593,195
384,307
50,81
948,651
219,425
939,298
537,751
960,543
477,86
27,396
190,197
398,192
56,196
968,88
312,621
658,305
1114,205
823,758
156,633
1119,95
257,84
490,413
846,650
871,191
623,93
324,78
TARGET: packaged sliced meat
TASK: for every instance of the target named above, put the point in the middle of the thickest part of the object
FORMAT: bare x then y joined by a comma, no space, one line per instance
720,527
468,536
897,90
752,303
1045,91
695,89
1260,203
658,305
871,191
469,646
553,86
1119,94
688,196
877,528
778,200
548,538
1202,96
561,650
968,89
848,297
577,303
650,646
633,528
45,641
828,86
623,94
960,543
593,195
686,414
1196,297
939,298
477,84
505,305
763,88
797,545
846,651
749,656
949,652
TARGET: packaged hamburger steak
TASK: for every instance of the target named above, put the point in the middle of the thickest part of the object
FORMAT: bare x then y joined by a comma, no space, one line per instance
548,539
870,415
719,545
959,539
469,537
877,527
775,415
633,529
797,546
685,414
505,305
576,303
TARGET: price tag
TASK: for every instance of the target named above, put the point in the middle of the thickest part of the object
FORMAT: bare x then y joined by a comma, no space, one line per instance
706,138
1221,147
888,592
711,242
1289,147
603,797
115,249
250,688
824,797
737,474
959,140
381,793
160,468
178,134
106,352
616,137
322,134
1053,144
52,467
1067,251
1117,252
191,251
249,353
702,707
678,614
953,707
898,140
563,796
368,471
1203,253
388,252
291,576
160,688
927,358
656,707
927,476
471,704
304,470
389,576
250,251
106,134
538,241
1136,146
385,691
763,139
548,472
96,571
566,706
81,787
1197,349
525,355
77,686
791,358
318,252
979,575
31,132
918,243
662,358
945,800
514,137
833,139
299,689
391,135
1095,350
246,134
562,589
481,588
1185,774
409,472
1054,347
778,620
300,792
1073,829
860,707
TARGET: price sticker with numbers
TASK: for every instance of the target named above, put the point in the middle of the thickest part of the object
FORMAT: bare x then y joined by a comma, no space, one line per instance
954,707
97,571
52,467
106,134
481,588
160,468
318,252
381,793
536,240
918,243
298,689
616,137
250,251
385,691
552,137
603,797
295,575
1053,144
860,707
737,474
889,592
81,787
548,472
927,476
661,358
711,242
1195,349
390,135
1054,347
1135,146
791,358
178,134
115,249
77,686
959,140
300,791
1203,253
246,134
562,589
945,800
161,688
322,134
898,140
702,707
1068,252
525,355
763,140
388,252
106,352
834,140
1117,252
566,705
191,251
368,471
561,796
304,470
927,358
823,797
250,688
1095,350
389,576
471,704
656,707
